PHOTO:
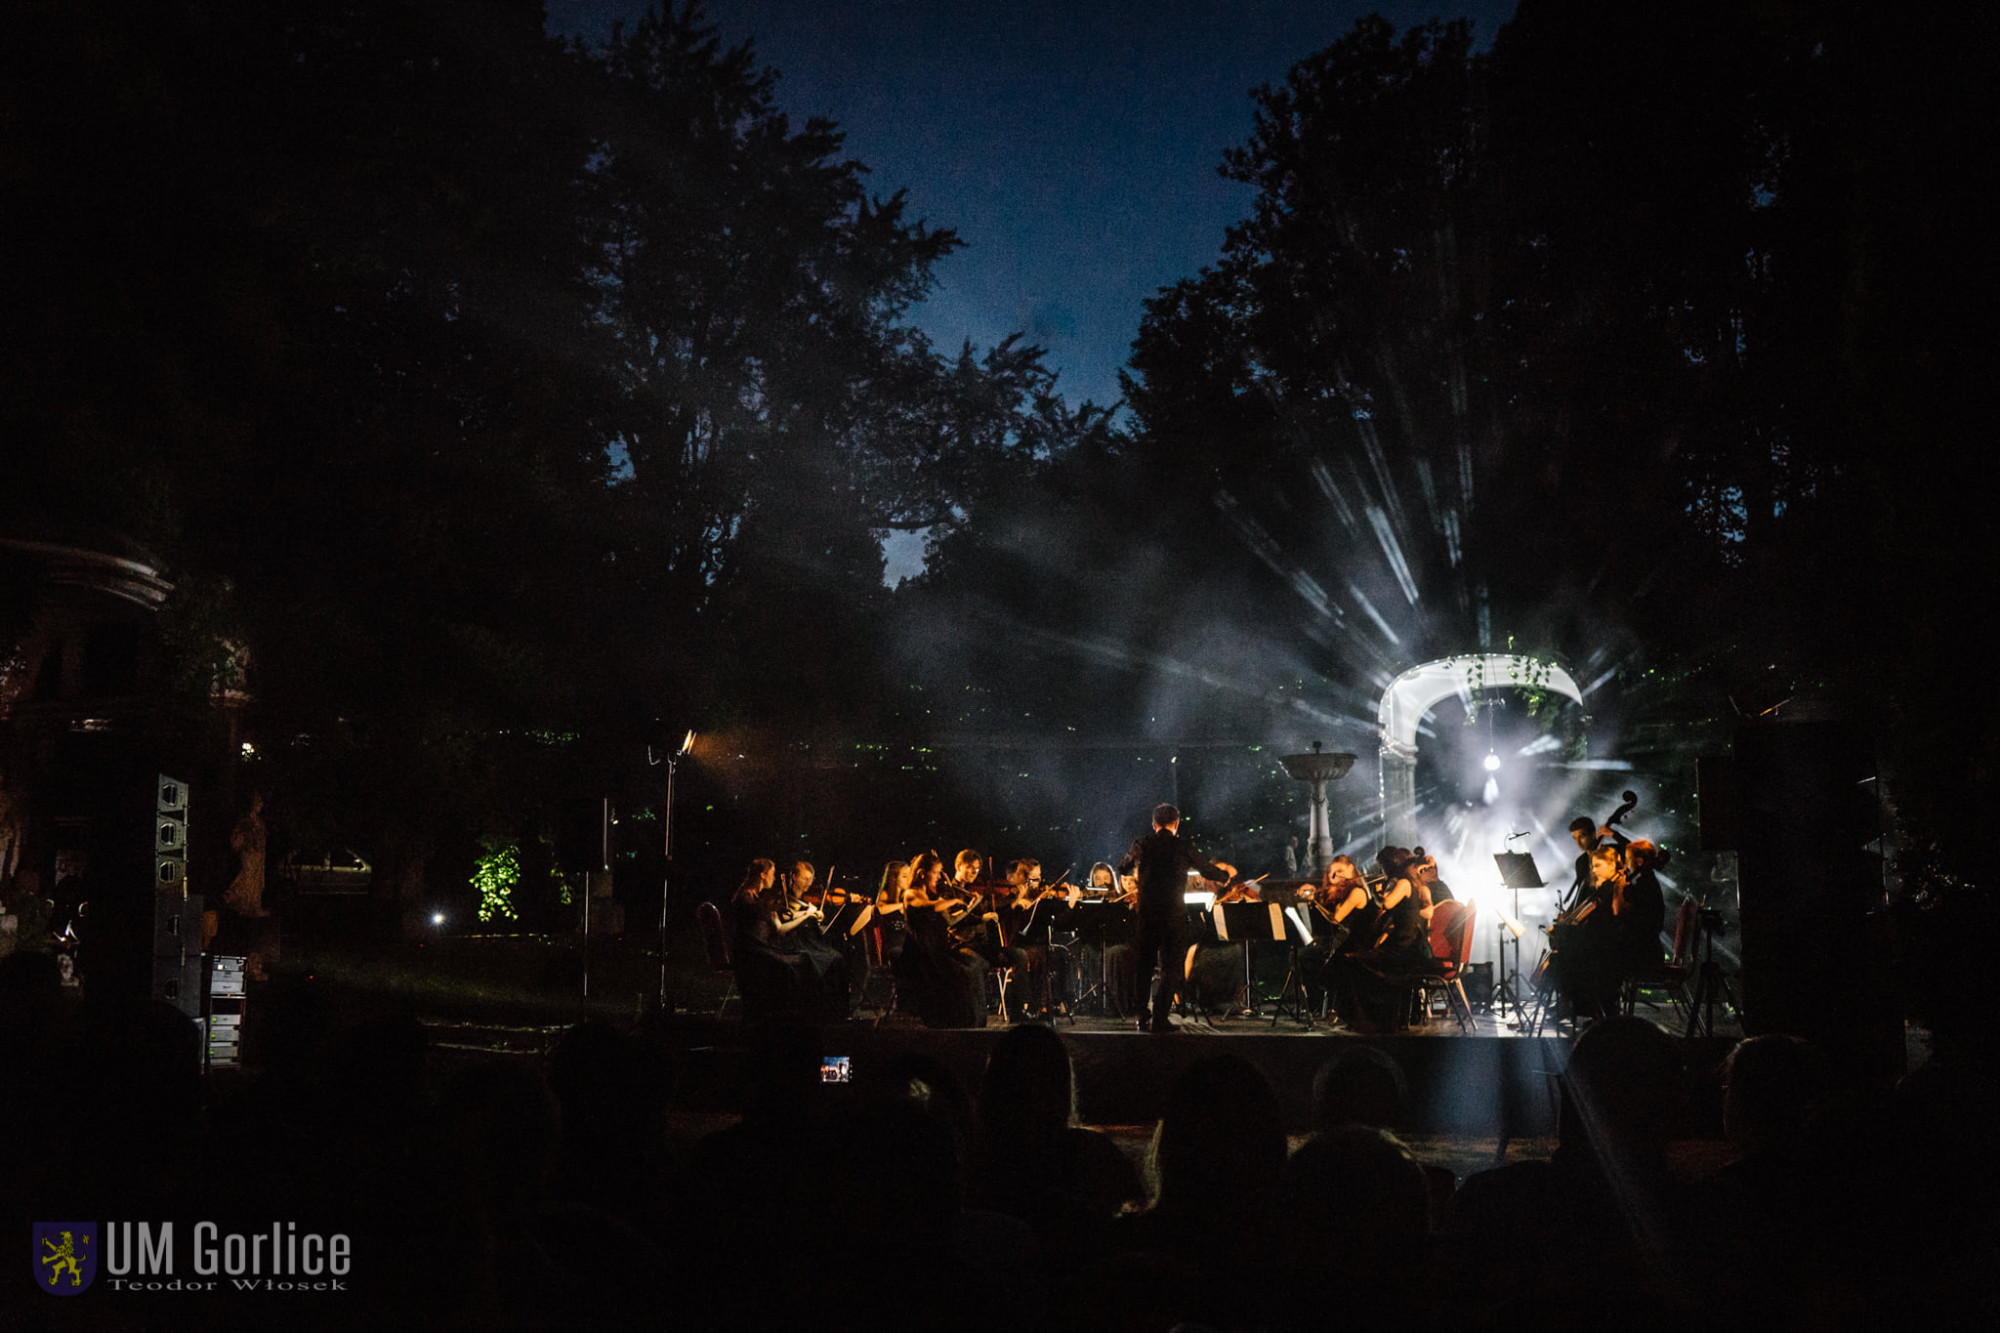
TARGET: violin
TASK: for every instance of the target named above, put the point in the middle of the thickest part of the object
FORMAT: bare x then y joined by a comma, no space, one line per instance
796,913
1242,890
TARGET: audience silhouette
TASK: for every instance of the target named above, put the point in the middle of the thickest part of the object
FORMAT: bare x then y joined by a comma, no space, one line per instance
530,1193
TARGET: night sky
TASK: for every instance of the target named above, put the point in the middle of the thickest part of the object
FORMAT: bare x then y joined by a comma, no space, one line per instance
1072,146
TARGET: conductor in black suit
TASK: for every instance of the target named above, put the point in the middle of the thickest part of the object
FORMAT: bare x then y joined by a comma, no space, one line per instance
1162,860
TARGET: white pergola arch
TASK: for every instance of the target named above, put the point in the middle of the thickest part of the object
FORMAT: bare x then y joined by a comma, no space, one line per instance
1414,693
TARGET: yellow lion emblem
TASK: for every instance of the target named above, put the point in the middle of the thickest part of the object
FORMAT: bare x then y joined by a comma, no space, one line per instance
63,1256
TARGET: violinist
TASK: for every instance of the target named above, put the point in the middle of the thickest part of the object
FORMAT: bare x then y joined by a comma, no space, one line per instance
1371,982
888,918
1119,964
1213,968
947,980
1345,909
1030,917
832,971
776,978
979,930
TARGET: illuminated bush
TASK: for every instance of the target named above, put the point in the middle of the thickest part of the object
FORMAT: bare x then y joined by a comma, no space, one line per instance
495,876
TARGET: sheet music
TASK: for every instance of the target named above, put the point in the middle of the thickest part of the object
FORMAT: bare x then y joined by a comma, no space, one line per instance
1277,921
1299,919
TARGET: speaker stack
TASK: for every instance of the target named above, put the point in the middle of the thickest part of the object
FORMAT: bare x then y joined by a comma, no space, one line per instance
177,972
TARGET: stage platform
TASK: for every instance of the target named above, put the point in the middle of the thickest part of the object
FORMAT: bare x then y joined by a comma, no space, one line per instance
1490,1083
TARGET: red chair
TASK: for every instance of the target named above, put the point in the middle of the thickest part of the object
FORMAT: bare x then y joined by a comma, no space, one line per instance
1451,946
715,944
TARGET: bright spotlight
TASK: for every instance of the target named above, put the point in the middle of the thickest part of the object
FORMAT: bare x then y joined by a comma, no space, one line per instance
1492,762
437,918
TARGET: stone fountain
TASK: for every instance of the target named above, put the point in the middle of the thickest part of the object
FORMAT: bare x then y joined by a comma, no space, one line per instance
1317,770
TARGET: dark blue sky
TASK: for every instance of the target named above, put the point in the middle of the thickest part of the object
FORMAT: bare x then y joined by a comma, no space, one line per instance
1073,146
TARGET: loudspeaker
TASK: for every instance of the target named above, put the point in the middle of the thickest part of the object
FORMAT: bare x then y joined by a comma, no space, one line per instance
1718,803
170,835
1478,981
176,917
176,924
1807,883
178,982
173,796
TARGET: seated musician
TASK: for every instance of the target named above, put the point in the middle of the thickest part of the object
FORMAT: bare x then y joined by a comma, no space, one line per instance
1641,910
980,930
1345,911
1588,943
1212,972
1373,981
947,980
833,973
1031,915
1430,889
775,977
1242,891
1112,964
887,919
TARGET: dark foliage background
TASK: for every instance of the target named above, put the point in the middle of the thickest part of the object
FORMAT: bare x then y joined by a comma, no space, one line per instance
502,397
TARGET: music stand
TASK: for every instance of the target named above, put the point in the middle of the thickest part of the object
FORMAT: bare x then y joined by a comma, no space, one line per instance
1517,871
1253,923
1292,999
1099,925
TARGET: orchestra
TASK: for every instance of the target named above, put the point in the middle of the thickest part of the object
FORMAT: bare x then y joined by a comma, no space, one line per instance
1142,939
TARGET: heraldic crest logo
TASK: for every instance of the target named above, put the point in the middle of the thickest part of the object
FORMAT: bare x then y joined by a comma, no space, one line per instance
65,1257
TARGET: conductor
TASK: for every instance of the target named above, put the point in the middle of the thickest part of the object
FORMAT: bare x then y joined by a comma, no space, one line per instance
1162,860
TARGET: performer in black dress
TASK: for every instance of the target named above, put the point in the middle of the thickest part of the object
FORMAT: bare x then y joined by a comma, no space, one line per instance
947,980
833,973
1641,910
1589,942
1372,982
1344,916
1161,860
776,979
1424,874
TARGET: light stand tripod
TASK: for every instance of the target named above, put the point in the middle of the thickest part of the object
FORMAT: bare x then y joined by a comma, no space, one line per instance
673,762
1710,983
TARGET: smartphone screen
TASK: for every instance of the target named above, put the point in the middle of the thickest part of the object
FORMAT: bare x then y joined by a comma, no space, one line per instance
836,1069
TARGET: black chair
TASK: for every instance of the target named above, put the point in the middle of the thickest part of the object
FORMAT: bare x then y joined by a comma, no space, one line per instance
715,944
